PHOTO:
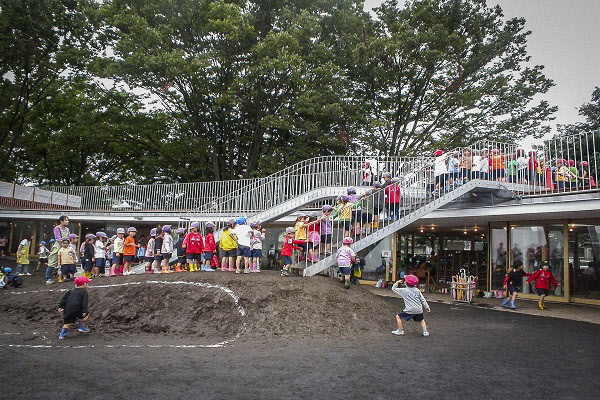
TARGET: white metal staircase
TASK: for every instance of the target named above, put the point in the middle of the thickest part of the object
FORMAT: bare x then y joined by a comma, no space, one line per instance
412,214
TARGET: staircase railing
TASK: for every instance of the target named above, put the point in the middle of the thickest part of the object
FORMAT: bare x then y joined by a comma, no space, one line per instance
485,164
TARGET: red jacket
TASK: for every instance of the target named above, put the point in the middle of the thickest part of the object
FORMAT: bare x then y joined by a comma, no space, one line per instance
542,279
288,246
193,243
392,194
209,243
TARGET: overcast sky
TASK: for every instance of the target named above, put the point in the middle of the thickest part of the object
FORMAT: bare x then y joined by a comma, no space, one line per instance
565,38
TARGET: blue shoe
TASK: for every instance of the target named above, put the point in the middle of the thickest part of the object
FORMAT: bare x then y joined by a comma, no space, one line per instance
505,303
83,329
512,305
62,334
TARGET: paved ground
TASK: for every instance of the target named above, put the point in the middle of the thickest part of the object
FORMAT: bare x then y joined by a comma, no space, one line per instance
471,353
572,311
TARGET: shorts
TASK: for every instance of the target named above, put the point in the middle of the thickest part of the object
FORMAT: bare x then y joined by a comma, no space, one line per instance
441,179
86,265
100,262
165,256
346,225
230,253
345,270
366,217
498,173
129,258
326,238
181,260
117,260
207,255
157,257
67,269
414,317
243,251
256,253
43,260
512,178
149,258
541,292
303,246
71,319
193,256
512,288
287,260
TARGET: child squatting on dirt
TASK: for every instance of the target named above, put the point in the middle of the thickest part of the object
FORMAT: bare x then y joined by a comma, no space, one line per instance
414,302
74,306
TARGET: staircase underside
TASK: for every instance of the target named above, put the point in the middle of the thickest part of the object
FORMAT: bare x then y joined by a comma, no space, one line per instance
475,187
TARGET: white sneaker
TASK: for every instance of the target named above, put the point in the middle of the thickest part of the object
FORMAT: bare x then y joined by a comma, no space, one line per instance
237,271
398,332
49,282
28,274
426,333
246,271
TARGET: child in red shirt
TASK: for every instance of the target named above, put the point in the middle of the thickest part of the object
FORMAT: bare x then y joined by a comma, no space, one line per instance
210,247
288,248
543,278
193,245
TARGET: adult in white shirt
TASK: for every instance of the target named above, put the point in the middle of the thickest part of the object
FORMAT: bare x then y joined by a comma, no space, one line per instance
440,170
475,165
242,233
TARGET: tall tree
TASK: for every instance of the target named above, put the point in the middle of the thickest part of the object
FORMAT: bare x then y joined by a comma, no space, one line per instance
253,85
42,43
88,135
445,72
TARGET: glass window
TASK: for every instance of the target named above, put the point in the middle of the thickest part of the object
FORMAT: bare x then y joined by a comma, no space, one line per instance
534,244
584,261
378,258
498,252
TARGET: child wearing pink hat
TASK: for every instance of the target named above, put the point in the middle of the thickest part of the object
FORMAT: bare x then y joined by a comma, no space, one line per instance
414,302
74,306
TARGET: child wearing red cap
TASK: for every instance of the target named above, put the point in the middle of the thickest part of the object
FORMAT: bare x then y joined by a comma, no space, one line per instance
414,302
543,278
74,306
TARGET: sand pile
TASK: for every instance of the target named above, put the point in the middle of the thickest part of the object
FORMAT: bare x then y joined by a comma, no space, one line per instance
274,306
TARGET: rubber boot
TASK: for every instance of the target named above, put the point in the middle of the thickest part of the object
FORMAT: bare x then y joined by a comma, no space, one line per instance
178,268
512,305
540,305
59,278
505,303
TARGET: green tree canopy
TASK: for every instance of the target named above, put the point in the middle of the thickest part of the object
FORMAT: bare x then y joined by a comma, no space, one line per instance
143,91
445,73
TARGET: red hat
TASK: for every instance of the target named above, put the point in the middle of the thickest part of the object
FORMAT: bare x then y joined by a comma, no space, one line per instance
438,152
81,280
411,280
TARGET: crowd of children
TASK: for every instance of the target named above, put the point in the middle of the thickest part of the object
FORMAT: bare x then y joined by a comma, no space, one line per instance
525,167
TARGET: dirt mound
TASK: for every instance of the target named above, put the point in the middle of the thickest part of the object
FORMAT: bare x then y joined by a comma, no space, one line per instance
273,306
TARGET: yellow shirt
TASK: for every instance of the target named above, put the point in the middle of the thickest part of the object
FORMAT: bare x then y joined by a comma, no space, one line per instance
66,256
300,230
226,242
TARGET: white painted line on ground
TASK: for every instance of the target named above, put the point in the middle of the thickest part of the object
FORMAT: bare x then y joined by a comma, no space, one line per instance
229,292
